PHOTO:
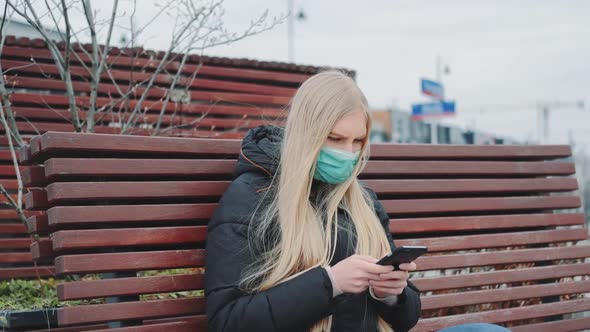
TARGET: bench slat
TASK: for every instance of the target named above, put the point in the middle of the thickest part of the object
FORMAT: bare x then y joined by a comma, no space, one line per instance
147,213
450,243
502,277
504,315
576,324
501,257
26,272
88,289
15,257
401,226
84,239
60,101
97,313
129,261
504,294
12,228
15,243
483,204
58,168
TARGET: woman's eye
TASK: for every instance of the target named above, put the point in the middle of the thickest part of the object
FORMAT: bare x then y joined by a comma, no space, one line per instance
335,139
359,141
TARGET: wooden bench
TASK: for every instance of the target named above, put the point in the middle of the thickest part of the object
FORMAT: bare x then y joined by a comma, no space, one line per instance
499,251
228,97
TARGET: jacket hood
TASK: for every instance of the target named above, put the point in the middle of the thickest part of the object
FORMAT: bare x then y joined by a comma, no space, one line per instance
261,151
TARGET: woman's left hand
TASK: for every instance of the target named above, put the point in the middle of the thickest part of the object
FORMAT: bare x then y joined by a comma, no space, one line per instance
394,282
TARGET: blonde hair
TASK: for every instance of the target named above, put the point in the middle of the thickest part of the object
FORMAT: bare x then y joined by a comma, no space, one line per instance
302,239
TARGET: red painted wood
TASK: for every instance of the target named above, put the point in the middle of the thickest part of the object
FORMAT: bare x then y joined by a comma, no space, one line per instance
504,294
576,324
26,272
473,152
96,313
501,257
400,226
126,237
483,204
145,214
134,261
466,242
88,289
504,315
502,277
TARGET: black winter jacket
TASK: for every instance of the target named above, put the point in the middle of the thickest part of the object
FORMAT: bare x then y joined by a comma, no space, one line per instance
296,304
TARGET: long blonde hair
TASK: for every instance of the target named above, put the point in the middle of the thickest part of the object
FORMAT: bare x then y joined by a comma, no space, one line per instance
302,239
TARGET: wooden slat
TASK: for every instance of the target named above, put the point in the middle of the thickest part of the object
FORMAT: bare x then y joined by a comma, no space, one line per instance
23,68
33,176
87,289
27,272
111,90
126,237
38,224
504,294
36,199
501,257
134,261
15,243
471,186
9,184
180,326
42,250
85,191
449,243
146,214
133,63
15,257
59,168
198,319
475,152
60,101
400,226
504,315
502,277
164,146
10,214
96,313
567,325
440,167
484,204
13,228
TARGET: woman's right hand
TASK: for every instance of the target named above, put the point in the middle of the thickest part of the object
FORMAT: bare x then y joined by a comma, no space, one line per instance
352,274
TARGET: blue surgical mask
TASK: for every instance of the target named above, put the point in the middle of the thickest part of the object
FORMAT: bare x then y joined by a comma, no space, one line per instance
334,165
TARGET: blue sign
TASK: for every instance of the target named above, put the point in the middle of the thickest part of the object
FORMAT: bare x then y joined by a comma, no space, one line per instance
420,111
433,89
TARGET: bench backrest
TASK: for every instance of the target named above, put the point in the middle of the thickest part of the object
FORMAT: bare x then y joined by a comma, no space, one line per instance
227,97
124,206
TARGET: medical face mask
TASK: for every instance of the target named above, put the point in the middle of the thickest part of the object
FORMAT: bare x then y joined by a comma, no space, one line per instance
334,165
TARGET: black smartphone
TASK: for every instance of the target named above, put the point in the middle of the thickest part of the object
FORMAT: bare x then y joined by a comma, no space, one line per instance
403,254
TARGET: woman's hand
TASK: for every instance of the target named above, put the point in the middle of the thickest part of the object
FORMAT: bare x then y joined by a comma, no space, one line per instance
352,275
392,282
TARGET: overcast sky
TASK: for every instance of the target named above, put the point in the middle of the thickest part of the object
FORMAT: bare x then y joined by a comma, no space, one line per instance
505,56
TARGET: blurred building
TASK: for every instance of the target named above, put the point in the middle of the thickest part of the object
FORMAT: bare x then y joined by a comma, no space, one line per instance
397,126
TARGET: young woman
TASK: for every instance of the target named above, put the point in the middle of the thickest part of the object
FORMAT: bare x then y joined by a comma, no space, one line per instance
294,242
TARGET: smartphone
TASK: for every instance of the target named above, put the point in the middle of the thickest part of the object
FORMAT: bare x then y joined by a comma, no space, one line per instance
403,254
